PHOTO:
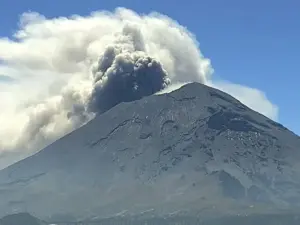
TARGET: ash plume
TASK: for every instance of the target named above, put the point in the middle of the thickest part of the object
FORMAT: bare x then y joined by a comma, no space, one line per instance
63,71
126,73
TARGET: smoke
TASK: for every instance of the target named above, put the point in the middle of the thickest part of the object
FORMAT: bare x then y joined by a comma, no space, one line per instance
126,75
63,71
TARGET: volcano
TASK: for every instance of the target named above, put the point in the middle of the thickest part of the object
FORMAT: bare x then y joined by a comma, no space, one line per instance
196,151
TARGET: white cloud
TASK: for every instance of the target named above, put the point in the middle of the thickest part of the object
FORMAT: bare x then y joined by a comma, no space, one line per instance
63,70
253,98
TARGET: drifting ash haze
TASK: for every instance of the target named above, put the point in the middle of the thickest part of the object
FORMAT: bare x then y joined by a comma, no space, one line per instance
63,71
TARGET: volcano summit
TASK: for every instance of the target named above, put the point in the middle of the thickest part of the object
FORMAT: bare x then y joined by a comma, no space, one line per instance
195,151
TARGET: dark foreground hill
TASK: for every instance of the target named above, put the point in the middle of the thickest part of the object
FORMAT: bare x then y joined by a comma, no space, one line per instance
20,219
268,219
194,152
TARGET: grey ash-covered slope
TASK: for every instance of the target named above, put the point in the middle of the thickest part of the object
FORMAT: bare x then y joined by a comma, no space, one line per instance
194,151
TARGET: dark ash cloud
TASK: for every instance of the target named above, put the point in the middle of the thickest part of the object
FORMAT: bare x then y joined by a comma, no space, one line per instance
125,78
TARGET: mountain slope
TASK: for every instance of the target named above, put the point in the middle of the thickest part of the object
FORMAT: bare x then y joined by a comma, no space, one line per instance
194,151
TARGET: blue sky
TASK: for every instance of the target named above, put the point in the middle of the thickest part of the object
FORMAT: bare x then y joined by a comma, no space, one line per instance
253,43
